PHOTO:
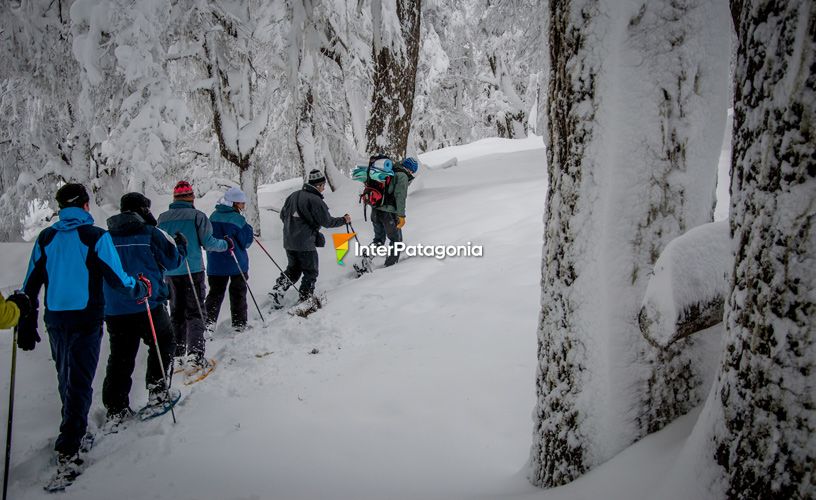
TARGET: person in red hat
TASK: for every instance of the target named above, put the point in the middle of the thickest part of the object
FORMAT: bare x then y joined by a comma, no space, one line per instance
192,231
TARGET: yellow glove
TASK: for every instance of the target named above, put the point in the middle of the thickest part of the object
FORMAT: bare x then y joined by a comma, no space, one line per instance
401,222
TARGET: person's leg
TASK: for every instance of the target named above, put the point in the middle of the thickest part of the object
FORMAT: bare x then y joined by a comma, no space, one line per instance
212,304
83,356
195,323
154,378
394,235
293,268
238,301
310,265
379,229
123,334
179,286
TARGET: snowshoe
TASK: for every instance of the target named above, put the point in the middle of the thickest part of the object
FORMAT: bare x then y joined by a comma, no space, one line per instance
115,421
159,403
308,305
199,370
69,467
366,265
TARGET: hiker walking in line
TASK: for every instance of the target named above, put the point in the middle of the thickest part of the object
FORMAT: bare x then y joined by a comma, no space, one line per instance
71,259
222,269
303,214
143,249
389,218
193,231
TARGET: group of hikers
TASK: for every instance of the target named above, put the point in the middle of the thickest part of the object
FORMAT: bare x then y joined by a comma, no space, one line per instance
127,275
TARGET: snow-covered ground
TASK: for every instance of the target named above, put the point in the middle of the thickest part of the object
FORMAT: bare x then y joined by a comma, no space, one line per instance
415,382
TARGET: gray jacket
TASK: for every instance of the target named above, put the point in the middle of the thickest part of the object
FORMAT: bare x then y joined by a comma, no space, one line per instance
303,214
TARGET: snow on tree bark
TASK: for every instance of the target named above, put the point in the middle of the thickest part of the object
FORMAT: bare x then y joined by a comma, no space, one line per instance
396,54
636,114
764,395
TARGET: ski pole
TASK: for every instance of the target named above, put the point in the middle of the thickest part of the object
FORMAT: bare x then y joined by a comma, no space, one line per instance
246,282
10,413
158,355
195,293
366,259
273,261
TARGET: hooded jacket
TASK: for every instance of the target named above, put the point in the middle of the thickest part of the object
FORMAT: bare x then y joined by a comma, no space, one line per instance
144,249
397,195
227,221
71,259
303,214
184,218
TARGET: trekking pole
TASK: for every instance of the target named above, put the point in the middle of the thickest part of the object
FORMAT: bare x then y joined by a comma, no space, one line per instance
273,261
10,413
195,293
246,282
158,354
366,259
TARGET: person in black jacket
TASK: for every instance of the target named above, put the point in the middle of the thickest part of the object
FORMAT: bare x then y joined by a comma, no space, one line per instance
143,249
303,214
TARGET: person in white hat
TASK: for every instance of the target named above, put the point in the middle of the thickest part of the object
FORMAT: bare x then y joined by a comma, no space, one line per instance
222,270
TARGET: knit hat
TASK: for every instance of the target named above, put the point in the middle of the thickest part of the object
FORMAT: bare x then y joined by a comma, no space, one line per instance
134,202
316,177
411,164
72,195
182,190
234,195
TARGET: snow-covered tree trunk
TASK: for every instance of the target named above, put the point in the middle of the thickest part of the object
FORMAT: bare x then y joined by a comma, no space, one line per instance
396,54
636,112
764,401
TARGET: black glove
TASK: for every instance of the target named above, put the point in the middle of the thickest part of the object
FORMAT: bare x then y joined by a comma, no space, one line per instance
230,243
27,336
181,244
21,301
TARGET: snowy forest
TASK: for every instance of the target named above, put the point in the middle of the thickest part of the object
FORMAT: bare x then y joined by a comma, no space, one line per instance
648,310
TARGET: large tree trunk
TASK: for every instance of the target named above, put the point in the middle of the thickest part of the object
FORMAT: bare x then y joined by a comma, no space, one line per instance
765,391
395,65
635,128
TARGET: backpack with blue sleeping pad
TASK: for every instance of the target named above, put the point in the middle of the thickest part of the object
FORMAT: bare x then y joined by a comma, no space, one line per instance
376,178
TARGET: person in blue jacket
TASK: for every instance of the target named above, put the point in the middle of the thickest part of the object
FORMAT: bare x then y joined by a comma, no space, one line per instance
72,259
186,302
222,268
143,249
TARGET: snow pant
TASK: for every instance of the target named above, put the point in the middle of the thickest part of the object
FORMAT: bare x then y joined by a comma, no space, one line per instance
124,333
300,263
188,325
237,299
75,350
385,225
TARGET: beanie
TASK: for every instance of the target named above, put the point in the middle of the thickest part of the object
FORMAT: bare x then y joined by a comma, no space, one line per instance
235,195
411,164
72,195
134,202
182,190
316,177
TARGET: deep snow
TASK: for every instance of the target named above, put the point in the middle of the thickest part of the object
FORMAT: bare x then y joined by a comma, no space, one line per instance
422,386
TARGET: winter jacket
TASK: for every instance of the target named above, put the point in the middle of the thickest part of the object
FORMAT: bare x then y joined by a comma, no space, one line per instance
227,221
142,249
397,192
303,214
9,314
72,258
195,226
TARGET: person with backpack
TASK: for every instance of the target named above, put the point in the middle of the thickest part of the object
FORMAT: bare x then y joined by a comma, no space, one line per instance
72,259
193,231
222,268
389,217
144,249
303,214
13,309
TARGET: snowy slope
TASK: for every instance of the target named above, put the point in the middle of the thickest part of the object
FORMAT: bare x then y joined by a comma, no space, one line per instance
421,387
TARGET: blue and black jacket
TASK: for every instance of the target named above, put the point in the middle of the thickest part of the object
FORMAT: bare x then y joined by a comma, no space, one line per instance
72,258
142,249
193,224
227,221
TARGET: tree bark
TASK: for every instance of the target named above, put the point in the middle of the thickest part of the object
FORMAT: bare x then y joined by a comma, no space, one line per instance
389,122
765,388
